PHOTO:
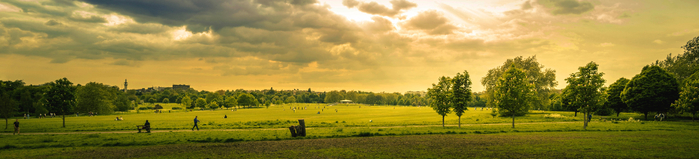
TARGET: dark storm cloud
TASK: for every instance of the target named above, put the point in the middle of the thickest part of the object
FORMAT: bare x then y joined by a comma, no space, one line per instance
378,9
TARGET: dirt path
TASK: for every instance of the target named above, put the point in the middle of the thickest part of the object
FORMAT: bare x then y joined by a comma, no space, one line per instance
161,131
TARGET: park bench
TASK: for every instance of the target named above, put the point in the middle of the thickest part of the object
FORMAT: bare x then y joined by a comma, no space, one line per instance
141,127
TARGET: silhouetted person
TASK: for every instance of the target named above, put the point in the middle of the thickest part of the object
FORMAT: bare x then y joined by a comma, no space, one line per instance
195,123
16,127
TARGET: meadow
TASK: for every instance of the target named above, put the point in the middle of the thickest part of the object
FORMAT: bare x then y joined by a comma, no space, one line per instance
266,130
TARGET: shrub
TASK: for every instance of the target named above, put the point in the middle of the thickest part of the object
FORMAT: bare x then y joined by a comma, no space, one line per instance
604,111
157,106
176,108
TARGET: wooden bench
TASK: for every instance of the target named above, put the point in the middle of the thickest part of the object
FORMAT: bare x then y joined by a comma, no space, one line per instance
141,127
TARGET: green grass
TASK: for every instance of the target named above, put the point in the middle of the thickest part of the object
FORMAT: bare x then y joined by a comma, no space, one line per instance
336,132
282,117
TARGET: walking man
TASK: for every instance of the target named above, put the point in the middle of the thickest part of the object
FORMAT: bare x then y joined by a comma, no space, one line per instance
195,123
16,127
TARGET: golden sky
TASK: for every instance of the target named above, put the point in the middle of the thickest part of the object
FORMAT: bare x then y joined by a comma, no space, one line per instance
368,45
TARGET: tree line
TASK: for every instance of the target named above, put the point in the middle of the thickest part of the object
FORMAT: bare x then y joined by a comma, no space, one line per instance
523,84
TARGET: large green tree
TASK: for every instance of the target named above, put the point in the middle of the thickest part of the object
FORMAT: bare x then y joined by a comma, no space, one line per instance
231,102
8,107
186,102
201,103
462,93
93,98
689,99
584,89
245,99
122,102
651,91
513,93
683,65
614,96
60,97
441,95
543,81
333,97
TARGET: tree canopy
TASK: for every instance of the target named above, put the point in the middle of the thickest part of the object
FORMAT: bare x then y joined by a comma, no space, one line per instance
441,95
614,96
543,80
513,94
651,91
688,101
461,93
61,97
584,89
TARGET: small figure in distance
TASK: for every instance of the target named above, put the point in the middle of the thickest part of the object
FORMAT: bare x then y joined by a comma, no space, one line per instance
319,112
225,116
371,121
195,123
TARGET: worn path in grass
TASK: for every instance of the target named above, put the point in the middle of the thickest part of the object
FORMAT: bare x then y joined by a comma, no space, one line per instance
258,129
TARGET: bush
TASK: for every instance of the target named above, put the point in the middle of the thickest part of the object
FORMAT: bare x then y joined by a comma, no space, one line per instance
157,106
605,111
176,108
144,108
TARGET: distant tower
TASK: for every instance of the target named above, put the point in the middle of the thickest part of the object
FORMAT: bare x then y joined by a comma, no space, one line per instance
125,85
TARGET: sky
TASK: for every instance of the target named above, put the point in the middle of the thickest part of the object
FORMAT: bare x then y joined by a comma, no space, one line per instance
367,45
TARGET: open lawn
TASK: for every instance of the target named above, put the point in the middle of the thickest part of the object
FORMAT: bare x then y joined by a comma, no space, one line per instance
404,132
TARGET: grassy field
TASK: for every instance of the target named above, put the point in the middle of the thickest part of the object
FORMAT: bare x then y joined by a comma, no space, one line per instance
341,134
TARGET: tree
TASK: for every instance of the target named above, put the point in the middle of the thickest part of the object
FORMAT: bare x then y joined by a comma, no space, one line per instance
584,89
186,101
462,93
245,99
151,100
512,93
61,97
614,99
567,98
231,102
201,103
93,98
290,99
8,107
651,91
689,99
166,100
213,97
122,103
683,65
25,101
333,97
542,80
441,95
213,105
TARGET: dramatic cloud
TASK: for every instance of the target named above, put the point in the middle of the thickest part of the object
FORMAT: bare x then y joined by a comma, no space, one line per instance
432,22
378,9
255,44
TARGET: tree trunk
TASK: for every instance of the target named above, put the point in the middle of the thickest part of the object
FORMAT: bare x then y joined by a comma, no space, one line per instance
617,114
459,121
693,114
7,122
576,114
513,120
442,120
646,114
64,120
585,120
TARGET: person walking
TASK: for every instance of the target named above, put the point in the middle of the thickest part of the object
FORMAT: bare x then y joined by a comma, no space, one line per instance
195,123
16,127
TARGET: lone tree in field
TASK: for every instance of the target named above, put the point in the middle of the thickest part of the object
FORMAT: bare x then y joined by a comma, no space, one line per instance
543,80
441,97
245,99
462,93
61,97
689,99
614,99
513,93
584,89
651,91
7,107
